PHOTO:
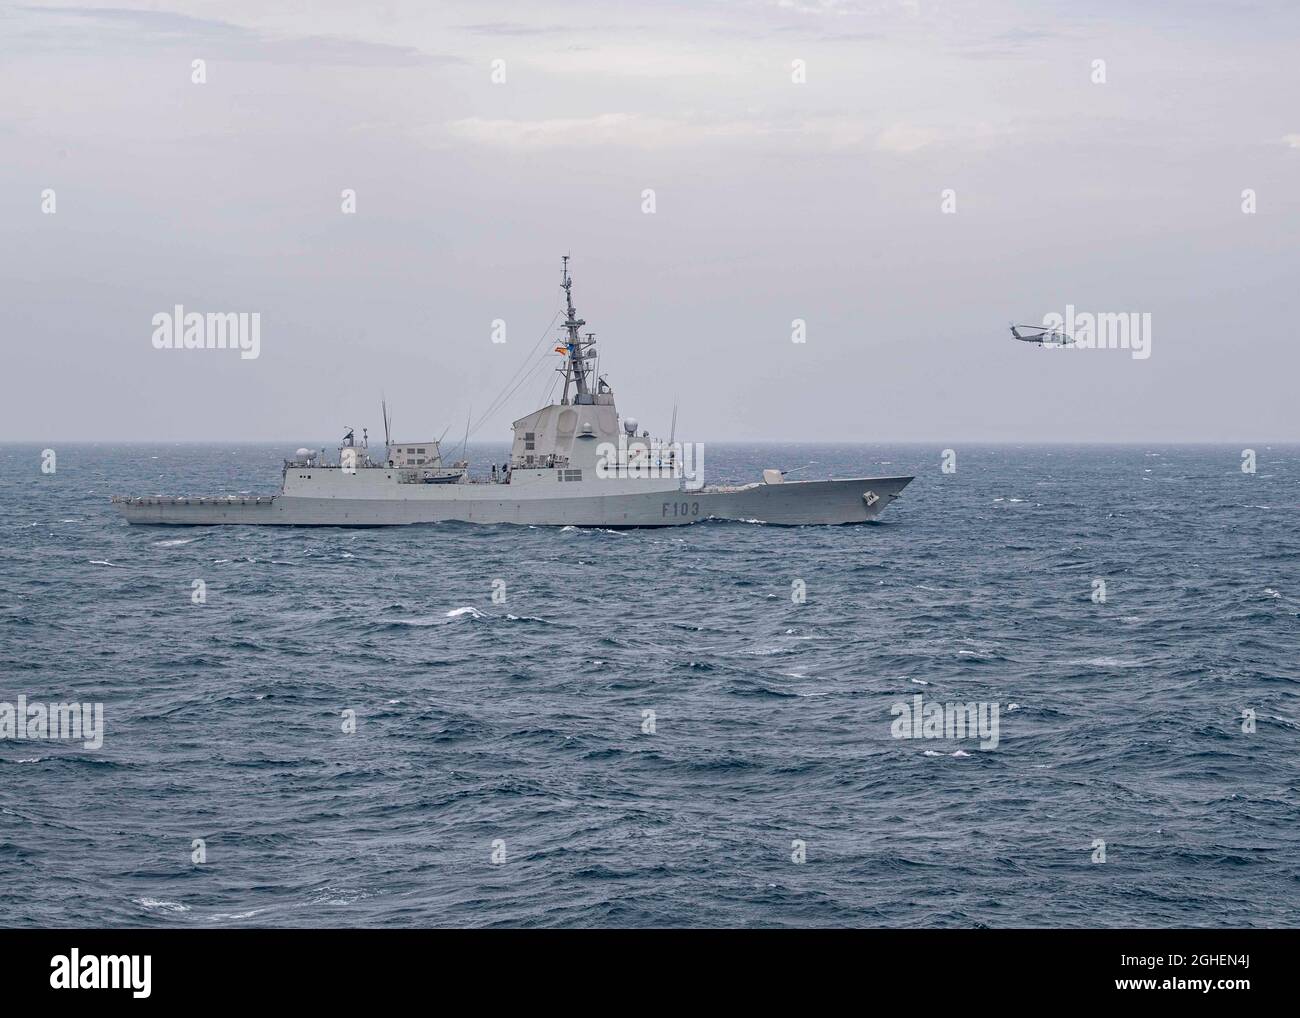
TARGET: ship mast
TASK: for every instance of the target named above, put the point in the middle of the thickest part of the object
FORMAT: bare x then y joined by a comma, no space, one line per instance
575,368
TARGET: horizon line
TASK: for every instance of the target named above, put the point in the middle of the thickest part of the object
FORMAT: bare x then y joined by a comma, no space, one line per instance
725,441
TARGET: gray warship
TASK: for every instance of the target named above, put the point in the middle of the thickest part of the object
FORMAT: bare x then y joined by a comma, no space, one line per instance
575,463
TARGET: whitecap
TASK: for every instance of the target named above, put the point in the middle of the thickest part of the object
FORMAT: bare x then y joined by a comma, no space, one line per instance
469,610
223,916
919,682
164,906
174,542
930,752
961,753
102,562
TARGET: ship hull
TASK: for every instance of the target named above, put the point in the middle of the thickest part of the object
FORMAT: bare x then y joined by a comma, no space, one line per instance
794,503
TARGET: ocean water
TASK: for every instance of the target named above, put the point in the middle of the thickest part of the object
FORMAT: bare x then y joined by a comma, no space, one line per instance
515,730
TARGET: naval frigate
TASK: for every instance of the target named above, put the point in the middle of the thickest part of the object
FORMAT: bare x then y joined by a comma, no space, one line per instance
572,463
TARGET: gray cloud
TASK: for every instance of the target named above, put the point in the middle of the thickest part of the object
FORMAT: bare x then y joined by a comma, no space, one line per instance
110,29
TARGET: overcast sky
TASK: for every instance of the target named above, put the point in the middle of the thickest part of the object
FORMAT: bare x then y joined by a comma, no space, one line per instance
775,200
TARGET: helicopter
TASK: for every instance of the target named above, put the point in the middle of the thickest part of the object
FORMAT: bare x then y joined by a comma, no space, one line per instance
1042,335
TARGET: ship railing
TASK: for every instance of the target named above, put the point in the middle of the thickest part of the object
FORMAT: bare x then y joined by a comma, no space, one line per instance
361,464
211,501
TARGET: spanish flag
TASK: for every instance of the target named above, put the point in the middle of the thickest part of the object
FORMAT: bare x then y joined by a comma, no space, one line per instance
561,349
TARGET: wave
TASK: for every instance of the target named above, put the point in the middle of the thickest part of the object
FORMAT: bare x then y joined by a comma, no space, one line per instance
156,905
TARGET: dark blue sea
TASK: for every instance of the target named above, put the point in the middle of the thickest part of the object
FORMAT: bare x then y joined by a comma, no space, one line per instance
499,773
